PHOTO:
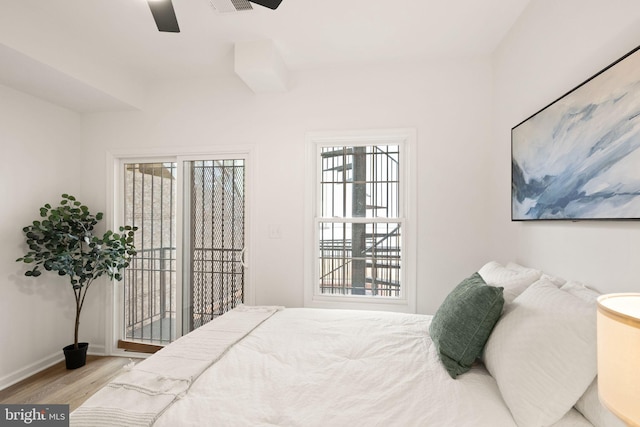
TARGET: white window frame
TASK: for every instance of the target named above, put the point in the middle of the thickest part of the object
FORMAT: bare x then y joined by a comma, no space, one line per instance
406,139
115,189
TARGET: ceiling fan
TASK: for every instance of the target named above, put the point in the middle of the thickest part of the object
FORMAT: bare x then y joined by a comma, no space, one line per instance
165,16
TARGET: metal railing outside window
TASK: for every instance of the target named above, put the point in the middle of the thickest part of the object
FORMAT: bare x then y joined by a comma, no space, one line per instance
360,243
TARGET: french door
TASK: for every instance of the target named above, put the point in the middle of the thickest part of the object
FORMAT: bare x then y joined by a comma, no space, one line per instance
215,239
190,265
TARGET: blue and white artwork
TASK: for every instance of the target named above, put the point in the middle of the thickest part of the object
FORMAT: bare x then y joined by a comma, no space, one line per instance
579,158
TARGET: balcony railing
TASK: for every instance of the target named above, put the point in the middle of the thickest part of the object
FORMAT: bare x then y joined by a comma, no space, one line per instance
217,285
150,296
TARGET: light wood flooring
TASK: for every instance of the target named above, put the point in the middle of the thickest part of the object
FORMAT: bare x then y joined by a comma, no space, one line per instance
56,384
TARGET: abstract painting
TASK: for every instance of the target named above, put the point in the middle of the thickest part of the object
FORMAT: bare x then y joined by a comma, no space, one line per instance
579,157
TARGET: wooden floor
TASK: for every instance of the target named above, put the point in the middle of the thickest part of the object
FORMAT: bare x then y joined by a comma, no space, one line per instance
56,384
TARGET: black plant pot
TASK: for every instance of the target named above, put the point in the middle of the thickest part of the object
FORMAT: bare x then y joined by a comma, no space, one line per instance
76,358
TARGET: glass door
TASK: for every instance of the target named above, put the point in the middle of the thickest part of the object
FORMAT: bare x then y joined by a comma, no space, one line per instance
190,262
215,243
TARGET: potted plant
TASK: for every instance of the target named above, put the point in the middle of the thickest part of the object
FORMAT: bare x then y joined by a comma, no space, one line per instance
63,241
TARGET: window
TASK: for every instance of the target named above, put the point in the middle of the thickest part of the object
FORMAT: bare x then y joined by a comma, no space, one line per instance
362,210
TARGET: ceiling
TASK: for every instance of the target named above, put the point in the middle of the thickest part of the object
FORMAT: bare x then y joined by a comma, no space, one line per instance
108,44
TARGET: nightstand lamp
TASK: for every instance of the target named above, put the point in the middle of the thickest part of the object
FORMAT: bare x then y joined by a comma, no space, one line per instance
619,355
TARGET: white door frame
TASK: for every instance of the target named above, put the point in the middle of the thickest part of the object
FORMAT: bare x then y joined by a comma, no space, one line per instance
115,218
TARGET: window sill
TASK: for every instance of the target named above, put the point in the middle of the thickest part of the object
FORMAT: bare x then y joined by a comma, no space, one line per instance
346,302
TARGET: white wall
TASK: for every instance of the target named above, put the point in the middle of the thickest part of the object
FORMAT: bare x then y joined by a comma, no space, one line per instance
449,103
554,46
40,145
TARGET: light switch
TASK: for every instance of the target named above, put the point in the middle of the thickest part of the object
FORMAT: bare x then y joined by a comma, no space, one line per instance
274,231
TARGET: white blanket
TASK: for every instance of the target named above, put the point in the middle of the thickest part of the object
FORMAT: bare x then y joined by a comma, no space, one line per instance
140,396
307,367
312,367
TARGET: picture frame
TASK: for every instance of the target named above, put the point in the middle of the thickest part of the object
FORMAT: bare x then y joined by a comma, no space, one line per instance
578,158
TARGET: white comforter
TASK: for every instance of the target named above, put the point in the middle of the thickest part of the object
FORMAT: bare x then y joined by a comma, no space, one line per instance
306,367
311,367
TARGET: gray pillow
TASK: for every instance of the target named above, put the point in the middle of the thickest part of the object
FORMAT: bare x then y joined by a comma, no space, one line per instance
463,323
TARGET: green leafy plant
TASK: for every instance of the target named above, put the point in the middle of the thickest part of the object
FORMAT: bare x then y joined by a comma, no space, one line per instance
63,242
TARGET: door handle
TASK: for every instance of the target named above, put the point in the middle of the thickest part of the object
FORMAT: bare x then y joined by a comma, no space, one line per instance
242,261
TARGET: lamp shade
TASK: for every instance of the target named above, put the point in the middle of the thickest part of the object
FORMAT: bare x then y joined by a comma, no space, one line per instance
619,355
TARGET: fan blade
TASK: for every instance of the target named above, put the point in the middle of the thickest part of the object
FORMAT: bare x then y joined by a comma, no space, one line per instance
164,15
271,4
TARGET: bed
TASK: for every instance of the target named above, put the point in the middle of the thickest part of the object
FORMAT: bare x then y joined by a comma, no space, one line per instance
271,366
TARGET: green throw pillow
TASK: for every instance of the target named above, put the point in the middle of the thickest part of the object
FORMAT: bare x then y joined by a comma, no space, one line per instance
463,323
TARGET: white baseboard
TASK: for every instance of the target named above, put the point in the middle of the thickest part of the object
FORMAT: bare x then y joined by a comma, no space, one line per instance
27,371
96,350
42,364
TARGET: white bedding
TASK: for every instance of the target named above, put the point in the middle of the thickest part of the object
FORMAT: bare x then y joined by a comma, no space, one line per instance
313,367
138,397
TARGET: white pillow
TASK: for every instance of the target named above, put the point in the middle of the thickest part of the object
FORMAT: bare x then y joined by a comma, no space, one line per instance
579,290
573,418
558,281
520,268
514,282
589,405
542,353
